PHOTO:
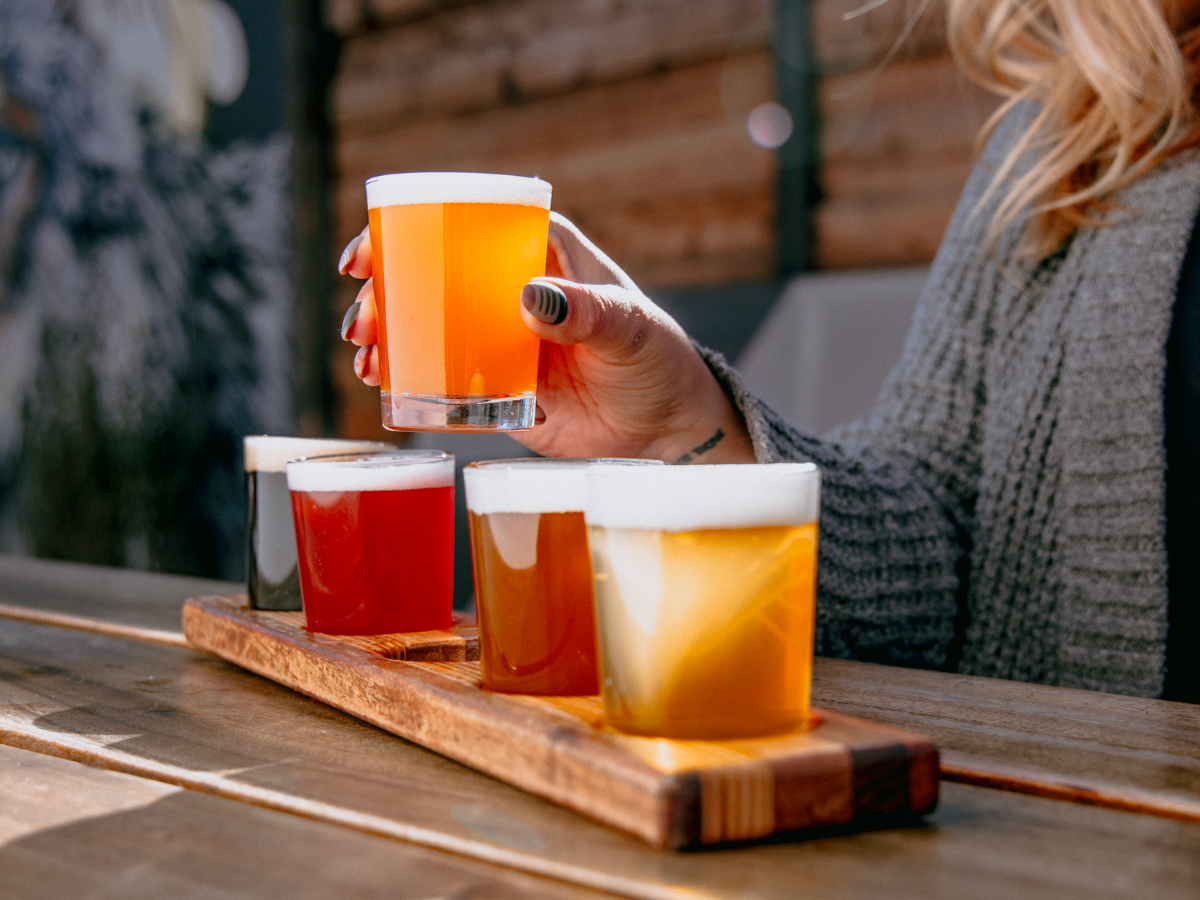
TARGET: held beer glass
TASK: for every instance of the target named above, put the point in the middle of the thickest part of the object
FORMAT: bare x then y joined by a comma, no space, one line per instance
533,577
272,581
705,586
375,540
451,252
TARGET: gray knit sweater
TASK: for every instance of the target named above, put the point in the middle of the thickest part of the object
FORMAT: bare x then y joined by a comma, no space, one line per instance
1000,511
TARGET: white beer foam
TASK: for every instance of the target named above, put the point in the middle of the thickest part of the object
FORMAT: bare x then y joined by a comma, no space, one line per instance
392,473
525,489
456,187
267,453
533,486
689,498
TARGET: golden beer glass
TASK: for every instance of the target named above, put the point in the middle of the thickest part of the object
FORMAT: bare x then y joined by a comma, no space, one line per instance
705,584
451,252
533,576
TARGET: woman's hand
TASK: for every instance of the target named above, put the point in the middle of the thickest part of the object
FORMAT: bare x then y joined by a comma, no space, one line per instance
617,375
359,325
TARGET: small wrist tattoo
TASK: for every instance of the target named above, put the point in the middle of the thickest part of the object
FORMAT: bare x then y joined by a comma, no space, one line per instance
701,449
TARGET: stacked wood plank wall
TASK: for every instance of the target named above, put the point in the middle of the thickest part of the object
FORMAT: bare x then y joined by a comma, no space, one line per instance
635,110
898,129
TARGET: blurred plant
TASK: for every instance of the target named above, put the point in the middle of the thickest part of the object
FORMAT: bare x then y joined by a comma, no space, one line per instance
144,311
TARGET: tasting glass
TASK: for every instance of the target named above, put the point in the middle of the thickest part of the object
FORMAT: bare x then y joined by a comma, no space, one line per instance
375,540
705,580
451,252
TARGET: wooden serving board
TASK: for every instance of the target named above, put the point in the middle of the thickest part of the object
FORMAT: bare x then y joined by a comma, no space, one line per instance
670,793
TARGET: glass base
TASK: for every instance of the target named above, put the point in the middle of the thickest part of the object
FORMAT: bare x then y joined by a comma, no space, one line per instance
422,412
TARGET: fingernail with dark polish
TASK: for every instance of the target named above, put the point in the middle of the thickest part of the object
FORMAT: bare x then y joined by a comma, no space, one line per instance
349,317
539,415
348,254
545,301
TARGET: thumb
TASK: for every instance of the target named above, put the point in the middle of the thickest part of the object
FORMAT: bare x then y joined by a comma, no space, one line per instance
610,320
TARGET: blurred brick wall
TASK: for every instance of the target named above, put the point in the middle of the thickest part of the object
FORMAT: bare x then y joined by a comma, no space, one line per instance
635,111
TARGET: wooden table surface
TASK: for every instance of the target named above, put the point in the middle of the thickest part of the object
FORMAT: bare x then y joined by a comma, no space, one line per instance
132,765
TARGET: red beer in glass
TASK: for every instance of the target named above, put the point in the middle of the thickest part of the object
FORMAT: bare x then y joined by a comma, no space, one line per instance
375,540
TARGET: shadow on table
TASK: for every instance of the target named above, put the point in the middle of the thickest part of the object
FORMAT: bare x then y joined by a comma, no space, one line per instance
195,845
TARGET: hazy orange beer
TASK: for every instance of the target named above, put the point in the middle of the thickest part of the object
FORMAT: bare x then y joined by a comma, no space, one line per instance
451,252
705,581
533,576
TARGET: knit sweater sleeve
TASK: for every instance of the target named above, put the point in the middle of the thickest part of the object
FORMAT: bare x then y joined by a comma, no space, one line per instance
893,545
899,485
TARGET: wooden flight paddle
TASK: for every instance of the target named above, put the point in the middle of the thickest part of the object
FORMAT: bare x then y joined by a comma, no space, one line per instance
672,793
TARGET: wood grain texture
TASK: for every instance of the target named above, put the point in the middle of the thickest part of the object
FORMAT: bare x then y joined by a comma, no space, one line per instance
456,645
620,137
85,623
635,112
42,792
881,231
618,38
899,30
203,725
600,97
1082,746
897,145
148,600
925,108
1085,747
670,793
183,717
490,55
658,171
72,830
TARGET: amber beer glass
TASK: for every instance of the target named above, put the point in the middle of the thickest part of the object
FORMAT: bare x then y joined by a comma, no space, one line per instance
375,540
451,252
705,593
272,579
533,577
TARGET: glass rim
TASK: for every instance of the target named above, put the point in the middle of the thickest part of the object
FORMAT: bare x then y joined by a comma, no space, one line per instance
474,176
386,470
270,453
408,188
381,457
564,462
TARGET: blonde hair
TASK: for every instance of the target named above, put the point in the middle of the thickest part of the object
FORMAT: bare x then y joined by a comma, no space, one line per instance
1114,80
